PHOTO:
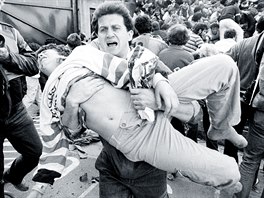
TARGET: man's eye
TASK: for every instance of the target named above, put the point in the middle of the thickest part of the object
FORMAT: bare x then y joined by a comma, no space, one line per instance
102,30
116,28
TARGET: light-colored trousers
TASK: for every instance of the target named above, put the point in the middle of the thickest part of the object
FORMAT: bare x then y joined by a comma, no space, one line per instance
158,143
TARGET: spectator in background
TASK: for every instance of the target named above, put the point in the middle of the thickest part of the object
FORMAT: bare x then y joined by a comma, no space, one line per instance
229,19
145,39
195,40
201,29
213,33
247,23
73,40
260,24
253,153
83,38
156,31
229,40
175,56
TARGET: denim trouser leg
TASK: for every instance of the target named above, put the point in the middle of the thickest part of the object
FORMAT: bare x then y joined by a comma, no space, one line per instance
253,153
19,129
122,178
215,78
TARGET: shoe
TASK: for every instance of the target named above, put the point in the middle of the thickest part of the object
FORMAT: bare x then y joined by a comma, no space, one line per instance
255,187
21,187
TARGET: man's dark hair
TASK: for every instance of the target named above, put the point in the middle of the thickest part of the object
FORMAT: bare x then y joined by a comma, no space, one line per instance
230,33
178,34
155,25
74,40
260,24
213,25
199,26
143,24
197,16
113,7
61,49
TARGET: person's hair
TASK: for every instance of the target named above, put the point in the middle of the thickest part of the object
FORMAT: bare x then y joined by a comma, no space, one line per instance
230,33
199,26
112,8
260,24
34,46
155,25
62,49
74,40
178,34
197,16
188,24
197,9
143,24
214,25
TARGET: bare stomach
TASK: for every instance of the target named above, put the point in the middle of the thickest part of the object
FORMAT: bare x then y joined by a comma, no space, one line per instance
105,109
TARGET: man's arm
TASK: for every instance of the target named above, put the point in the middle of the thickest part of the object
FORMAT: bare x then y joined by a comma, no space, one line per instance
143,98
24,62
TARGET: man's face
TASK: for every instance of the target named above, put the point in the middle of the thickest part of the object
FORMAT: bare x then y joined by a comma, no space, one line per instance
48,60
214,30
113,35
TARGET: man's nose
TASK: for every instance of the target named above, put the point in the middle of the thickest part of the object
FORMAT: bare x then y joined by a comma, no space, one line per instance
110,33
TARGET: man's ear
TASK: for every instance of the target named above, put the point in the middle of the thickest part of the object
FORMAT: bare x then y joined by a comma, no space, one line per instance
130,34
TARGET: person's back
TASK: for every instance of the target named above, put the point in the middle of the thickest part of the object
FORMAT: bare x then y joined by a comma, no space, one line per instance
175,56
230,12
149,42
145,39
229,40
241,53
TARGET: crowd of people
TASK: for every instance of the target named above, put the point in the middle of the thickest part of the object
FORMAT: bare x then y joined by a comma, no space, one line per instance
160,69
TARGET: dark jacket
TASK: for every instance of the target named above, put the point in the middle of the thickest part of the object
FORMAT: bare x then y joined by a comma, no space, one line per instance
20,63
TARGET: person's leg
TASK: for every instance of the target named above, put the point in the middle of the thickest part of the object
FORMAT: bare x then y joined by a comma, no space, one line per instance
212,144
253,153
23,135
1,162
160,145
120,177
215,78
230,149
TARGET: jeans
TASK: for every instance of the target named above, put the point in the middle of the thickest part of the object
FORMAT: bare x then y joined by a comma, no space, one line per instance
253,153
121,178
19,129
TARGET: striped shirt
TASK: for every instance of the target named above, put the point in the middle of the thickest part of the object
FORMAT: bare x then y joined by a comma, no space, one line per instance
193,43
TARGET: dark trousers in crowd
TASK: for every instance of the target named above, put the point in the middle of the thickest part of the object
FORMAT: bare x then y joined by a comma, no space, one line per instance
230,149
19,129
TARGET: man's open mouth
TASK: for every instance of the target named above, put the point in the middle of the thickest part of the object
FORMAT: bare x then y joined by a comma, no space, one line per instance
112,44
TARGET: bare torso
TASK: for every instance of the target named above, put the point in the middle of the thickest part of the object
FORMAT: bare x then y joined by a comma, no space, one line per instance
104,110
